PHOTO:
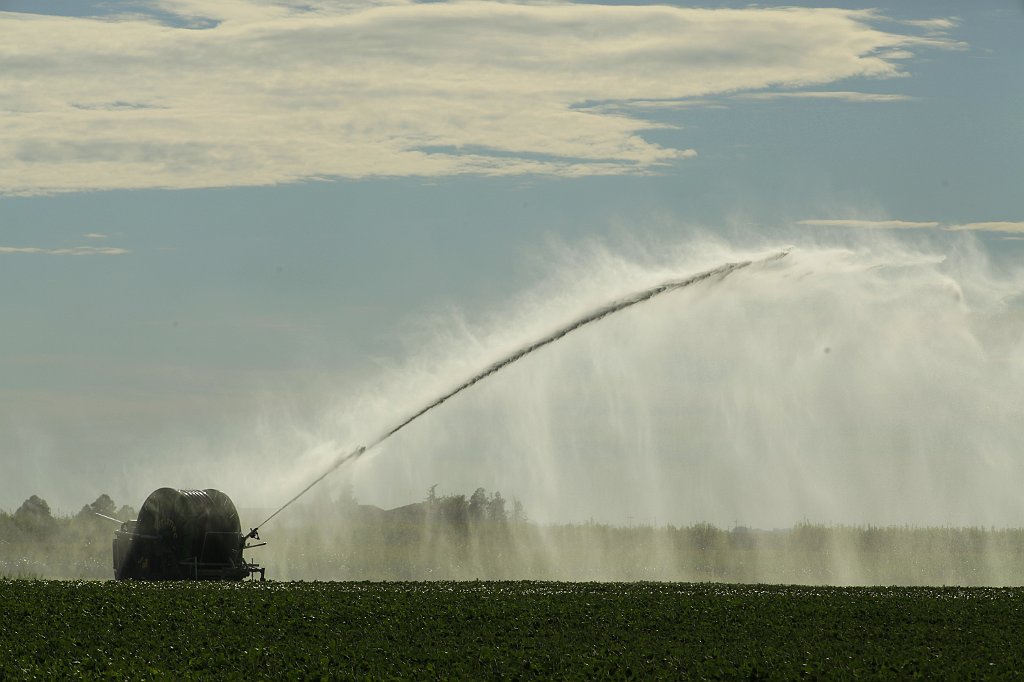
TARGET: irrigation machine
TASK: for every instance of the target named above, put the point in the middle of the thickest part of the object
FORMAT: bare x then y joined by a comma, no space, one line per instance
184,535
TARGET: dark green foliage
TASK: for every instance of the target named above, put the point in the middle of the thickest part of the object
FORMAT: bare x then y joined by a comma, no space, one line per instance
475,630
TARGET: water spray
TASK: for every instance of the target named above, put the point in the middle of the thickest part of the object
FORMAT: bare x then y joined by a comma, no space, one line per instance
720,272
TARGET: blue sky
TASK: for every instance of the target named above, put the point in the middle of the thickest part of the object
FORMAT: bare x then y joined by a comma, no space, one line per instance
206,211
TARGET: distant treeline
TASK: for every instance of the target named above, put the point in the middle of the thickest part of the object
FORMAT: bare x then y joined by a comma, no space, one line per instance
456,538
36,544
486,536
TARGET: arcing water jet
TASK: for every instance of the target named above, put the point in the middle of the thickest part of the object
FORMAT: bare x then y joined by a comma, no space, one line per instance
591,317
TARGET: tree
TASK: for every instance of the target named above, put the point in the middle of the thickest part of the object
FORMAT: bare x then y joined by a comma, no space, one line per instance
478,505
518,512
496,508
103,505
33,516
454,511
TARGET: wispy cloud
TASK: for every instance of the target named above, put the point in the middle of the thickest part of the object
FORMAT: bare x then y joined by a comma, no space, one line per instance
833,95
1009,227
94,235
995,226
242,92
870,224
619,107
71,251
933,26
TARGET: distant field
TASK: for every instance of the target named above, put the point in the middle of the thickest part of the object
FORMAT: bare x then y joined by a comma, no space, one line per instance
473,630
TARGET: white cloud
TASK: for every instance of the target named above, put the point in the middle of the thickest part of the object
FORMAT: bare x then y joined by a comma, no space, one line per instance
94,235
1004,226
72,251
836,95
933,26
870,224
995,226
251,93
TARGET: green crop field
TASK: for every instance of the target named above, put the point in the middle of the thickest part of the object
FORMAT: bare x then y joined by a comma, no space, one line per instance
473,630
